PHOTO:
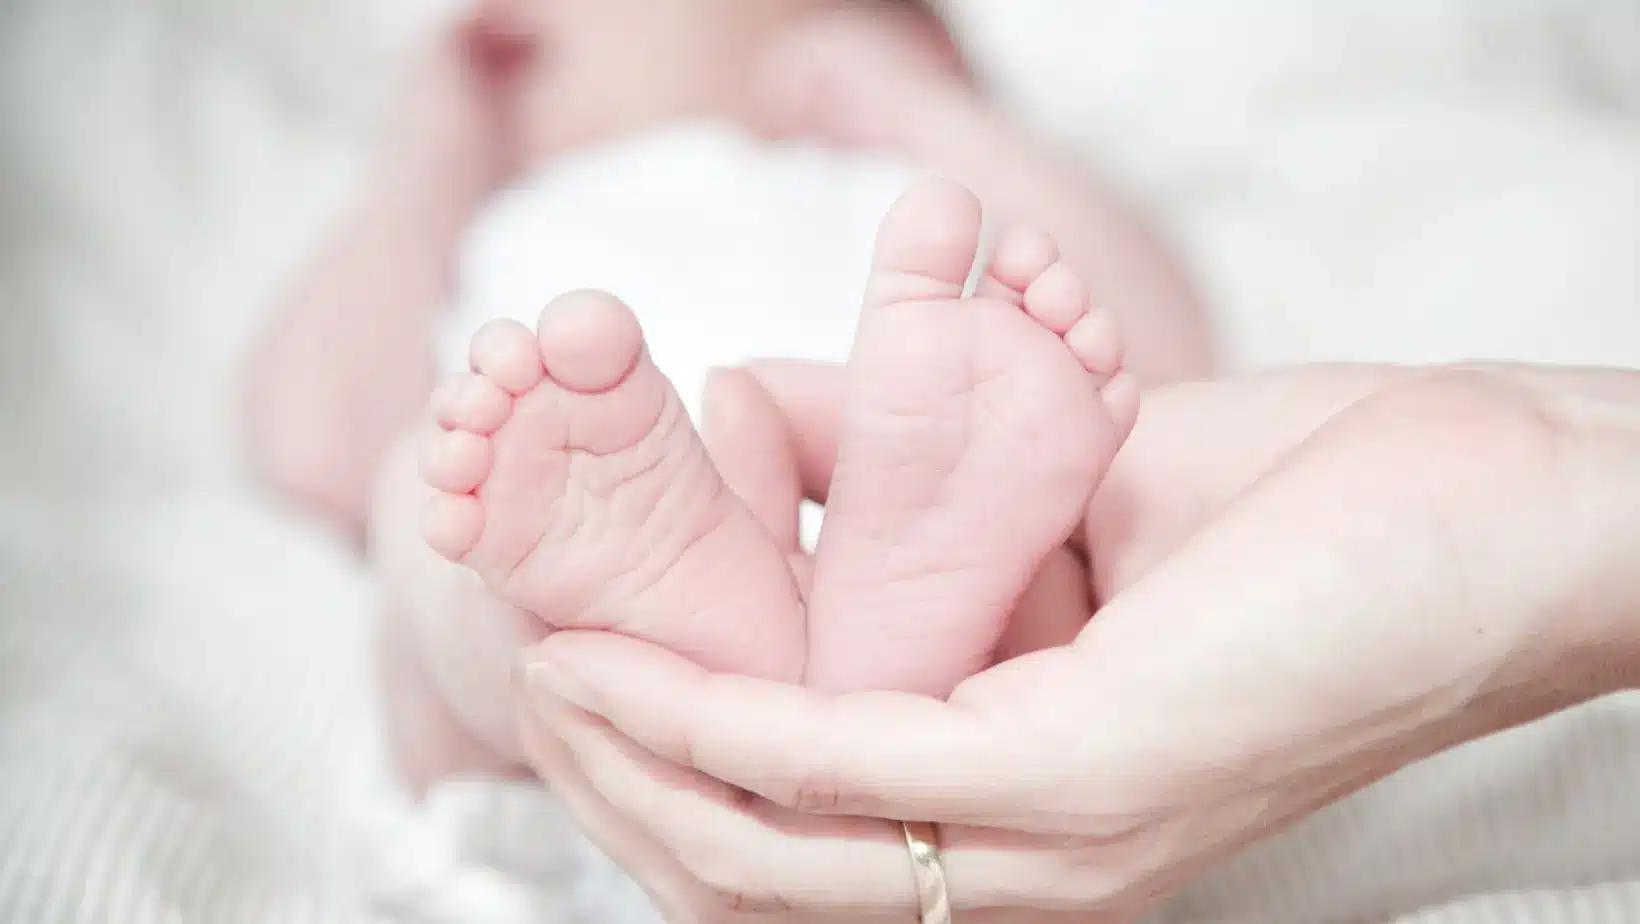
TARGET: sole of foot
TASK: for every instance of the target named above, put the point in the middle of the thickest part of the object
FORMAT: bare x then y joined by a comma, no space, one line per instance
569,477
974,432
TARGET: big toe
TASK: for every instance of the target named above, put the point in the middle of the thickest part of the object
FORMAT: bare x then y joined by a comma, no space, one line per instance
590,341
926,246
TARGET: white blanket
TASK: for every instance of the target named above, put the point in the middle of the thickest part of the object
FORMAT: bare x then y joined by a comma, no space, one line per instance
188,728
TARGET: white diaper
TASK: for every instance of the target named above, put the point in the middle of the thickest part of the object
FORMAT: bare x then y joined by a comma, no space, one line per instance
727,248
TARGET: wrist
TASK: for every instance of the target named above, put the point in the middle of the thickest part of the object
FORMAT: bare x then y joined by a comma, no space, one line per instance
1602,410
1591,621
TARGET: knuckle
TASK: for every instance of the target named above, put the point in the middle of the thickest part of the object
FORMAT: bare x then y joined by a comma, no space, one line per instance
814,786
816,795
739,903
1451,444
1475,410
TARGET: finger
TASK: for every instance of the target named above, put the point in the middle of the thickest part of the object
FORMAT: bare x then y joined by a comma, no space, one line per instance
746,852
1054,609
622,842
622,837
1196,447
746,435
810,398
883,755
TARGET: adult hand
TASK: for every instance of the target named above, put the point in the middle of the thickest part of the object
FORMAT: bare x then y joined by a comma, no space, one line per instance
1311,579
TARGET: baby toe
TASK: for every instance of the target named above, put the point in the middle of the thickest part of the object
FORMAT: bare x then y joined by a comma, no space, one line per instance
1057,299
1096,342
505,351
1121,398
452,524
474,403
590,341
1022,254
926,245
456,461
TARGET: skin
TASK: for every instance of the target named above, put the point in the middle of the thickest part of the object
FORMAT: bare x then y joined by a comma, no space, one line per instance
337,386
569,478
346,362
1309,580
345,365
844,79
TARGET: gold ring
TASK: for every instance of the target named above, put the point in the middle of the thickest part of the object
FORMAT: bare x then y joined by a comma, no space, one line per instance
933,901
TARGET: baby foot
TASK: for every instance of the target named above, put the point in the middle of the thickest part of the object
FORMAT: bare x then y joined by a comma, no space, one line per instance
571,480
974,433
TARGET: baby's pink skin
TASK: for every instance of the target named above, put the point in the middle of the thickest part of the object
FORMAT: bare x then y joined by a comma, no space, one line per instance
571,480
568,477
893,86
582,71
343,367
974,431
611,67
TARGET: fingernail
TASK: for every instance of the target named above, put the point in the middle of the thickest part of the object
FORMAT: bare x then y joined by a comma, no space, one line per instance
548,677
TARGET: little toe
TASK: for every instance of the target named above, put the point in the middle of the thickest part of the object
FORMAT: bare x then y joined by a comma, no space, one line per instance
1095,341
1058,299
1121,397
926,245
473,403
452,524
505,351
1022,254
590,341
456,461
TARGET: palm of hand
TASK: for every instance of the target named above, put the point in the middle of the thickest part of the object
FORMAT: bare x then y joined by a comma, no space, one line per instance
1088,780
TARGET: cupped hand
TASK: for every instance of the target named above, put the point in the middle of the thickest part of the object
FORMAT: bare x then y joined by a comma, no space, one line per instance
1309,580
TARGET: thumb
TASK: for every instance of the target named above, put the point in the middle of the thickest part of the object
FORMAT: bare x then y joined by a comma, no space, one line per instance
809,397
746,436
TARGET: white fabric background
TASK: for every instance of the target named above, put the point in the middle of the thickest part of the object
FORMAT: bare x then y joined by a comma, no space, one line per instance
187,730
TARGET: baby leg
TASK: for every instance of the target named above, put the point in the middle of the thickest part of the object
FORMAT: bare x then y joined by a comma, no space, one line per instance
974,432
847,80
